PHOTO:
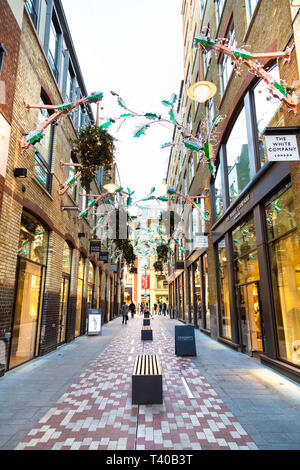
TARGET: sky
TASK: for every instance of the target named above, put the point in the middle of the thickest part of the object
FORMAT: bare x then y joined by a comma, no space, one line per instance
135,49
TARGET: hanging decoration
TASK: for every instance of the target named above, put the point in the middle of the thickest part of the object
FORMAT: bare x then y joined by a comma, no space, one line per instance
58,111
241,57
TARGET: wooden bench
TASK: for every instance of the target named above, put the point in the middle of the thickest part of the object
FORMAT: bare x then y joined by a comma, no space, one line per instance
147,380
146,322
146,333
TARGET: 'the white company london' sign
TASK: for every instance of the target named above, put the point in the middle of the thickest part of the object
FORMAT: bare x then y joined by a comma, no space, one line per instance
282,148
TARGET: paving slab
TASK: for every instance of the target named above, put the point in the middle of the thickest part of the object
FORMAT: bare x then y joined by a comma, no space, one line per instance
218,400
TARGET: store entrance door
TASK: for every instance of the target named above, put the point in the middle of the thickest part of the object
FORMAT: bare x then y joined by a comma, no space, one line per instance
250,318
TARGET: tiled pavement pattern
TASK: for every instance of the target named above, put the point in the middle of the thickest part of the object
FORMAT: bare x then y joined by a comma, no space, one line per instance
96,411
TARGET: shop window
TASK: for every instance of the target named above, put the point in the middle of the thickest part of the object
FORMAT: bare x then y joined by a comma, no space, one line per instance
206,292
91,287
224,291
64,294
80,287
284,254
198,293
238,167
219,194
33,240
267,111
244,252
44,151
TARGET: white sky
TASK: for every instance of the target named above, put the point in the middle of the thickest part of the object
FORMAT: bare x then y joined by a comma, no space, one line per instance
132,47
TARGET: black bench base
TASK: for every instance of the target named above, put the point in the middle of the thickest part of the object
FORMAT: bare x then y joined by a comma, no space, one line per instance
147,381
147,335
146,322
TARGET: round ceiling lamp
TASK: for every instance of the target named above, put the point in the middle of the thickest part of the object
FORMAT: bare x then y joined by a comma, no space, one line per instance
202,91
111,187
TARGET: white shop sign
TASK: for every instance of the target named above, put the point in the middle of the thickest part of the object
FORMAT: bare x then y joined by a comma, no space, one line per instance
282,148
200,241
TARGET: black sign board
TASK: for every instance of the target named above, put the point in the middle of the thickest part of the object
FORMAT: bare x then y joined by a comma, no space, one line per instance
103,256
95,246
185,341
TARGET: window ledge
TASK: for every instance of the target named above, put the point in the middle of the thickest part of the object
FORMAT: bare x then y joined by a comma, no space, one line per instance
42,187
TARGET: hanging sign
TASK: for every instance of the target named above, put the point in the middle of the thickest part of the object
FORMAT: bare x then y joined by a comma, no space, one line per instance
200,241
146,281
282,148
103,256
95,246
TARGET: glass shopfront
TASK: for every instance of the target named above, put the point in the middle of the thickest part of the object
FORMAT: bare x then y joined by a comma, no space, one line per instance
32,259
284,254
247,286
91,285
198,293
206,293
64,294
80,287
224,291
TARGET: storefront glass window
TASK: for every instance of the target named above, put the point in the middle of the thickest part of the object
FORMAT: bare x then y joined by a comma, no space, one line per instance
224,291
244,252
285,268
219,194
80,285
64,294
91,285
238,157
267,111
198,295
33,240
207,310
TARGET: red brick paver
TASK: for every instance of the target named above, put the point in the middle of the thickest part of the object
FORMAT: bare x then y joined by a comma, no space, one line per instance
96,412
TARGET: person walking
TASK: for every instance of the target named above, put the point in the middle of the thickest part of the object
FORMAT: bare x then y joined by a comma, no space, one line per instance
159,308
124,312
132,309
155,308
164,309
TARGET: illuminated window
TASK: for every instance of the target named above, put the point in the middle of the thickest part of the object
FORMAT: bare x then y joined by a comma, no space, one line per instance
284,254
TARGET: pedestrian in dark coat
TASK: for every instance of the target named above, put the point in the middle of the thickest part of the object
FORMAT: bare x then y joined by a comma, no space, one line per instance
124,313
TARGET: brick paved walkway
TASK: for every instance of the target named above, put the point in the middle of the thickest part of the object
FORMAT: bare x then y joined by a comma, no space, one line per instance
96,411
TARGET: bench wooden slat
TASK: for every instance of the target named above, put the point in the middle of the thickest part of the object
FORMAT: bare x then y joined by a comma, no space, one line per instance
147,364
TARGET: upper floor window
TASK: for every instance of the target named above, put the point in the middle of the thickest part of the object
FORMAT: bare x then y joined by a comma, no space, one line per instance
267,111
238,167
70,86
44,152
226,66
3,52
32,8
54,47
250,7
219,9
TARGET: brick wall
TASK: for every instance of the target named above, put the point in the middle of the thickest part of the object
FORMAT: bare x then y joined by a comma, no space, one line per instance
32,75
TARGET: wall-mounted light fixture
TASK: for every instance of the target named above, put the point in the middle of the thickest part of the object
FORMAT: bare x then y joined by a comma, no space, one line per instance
20,172
202,90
